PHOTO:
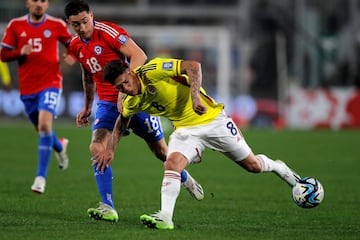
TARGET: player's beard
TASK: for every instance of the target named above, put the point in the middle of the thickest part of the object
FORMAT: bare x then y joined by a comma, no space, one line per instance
38,14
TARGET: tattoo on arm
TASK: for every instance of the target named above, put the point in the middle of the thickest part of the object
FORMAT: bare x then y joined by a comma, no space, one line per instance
89,88
119,129
193,70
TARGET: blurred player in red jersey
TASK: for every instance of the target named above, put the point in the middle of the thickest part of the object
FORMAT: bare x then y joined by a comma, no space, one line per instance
33,40
96,44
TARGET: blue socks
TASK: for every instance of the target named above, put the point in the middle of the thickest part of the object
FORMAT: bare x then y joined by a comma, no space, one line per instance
183,176
56,143
104,183
44,153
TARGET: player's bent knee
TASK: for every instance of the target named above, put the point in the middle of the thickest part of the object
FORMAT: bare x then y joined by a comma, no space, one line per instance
250,165
176,162
170,165
96,148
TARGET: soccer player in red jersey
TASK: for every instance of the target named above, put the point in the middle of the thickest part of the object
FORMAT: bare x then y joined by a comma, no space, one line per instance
96,44
33,40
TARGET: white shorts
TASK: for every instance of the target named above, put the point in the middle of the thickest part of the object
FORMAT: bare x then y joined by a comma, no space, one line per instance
221,135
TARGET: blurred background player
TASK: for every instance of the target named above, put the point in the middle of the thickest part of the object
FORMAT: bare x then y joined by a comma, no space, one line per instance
5,75
95,45
200,122
33,40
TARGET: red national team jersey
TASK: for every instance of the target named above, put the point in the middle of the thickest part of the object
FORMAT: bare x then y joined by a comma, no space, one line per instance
103,47
41,68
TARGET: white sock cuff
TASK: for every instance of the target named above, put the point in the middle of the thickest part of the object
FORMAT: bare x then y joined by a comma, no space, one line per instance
172,174
266,163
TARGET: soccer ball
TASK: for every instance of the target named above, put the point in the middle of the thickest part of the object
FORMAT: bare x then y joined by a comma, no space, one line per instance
308,192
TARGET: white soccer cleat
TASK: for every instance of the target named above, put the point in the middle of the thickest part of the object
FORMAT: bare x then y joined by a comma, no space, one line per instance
39,185
103,212
287,174
157,220
193,187
62,157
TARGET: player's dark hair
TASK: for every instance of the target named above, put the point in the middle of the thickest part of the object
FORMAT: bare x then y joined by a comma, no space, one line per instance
75,7
113,69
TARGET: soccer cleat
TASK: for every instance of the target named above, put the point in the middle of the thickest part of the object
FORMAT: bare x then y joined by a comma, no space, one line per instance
103,212
39,185
194,188
62,157
157,220
287,174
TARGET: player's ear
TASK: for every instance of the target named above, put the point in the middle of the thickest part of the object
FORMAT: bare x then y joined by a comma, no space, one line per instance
91,15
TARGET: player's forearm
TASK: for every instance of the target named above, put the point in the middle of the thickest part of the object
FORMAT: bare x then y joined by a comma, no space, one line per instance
89,91
8,55
116,134
138,60
119,130
193,70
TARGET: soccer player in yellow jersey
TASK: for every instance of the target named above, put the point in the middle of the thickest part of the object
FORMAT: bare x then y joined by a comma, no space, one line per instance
172,88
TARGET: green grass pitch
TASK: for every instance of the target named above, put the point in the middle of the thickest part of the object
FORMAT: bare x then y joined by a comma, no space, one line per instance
237,204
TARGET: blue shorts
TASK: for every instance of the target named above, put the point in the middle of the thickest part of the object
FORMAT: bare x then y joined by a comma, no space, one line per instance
48,100
142,124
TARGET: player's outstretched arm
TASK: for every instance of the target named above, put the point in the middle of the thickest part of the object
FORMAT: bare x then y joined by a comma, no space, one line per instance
104,159
82,118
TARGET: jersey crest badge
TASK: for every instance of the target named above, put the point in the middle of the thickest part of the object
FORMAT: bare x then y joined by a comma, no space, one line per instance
167,65
98,50
151,89
123,38
47,33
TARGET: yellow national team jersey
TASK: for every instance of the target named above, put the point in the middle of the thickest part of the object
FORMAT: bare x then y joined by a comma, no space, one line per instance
166,92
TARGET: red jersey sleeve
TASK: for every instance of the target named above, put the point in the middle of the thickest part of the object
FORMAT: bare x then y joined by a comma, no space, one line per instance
9,39
115,37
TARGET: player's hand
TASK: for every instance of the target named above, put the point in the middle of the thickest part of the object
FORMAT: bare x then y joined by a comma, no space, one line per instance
82,118
68,59
103,160
198,107
25,50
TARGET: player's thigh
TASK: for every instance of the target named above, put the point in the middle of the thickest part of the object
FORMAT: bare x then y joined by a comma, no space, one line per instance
223,135
31,107
105,116
101,136
49,100
186,142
